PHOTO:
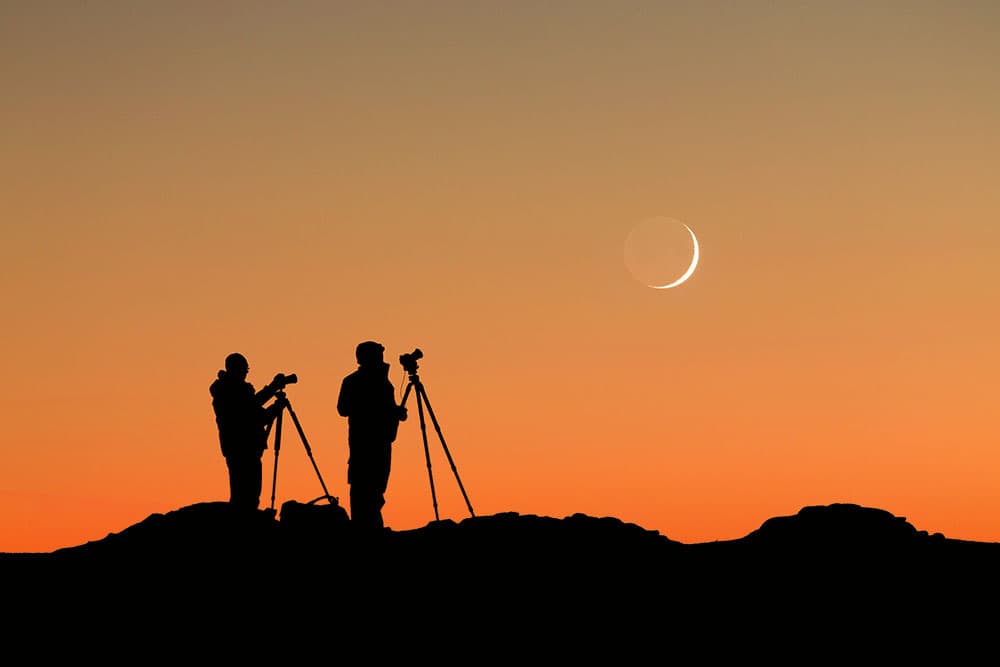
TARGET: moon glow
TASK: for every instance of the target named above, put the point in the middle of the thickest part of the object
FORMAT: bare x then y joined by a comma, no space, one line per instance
657,248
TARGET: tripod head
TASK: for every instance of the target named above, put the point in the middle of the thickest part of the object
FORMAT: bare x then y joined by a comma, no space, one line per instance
281,400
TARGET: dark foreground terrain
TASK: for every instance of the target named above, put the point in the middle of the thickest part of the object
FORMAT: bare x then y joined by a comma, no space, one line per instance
839,573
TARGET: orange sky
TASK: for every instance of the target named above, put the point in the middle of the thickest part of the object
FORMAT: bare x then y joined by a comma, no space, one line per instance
286,180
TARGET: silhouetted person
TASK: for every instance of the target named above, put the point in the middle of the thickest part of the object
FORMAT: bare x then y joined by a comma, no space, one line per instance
368,400
243,420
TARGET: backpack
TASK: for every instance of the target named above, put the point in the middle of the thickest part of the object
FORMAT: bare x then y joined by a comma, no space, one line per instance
316,517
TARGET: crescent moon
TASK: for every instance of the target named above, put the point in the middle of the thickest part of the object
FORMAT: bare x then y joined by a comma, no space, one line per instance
690,269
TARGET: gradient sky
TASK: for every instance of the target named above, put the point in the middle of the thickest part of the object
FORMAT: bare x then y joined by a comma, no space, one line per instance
181,180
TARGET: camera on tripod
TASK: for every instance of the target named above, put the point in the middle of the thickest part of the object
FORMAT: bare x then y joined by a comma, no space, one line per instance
409,360
281,380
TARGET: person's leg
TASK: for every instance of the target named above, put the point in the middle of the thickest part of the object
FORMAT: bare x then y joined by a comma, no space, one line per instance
244,481
365,514
232,465
256,468
357,503
378,499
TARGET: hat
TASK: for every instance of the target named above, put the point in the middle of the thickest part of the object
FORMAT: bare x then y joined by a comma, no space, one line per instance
369,352
236,362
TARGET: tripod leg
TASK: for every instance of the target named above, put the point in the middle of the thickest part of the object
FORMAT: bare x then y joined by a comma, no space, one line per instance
427,453
305,443
277,450
421,394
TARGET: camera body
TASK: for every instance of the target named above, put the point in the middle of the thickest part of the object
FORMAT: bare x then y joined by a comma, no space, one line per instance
281,380
409,360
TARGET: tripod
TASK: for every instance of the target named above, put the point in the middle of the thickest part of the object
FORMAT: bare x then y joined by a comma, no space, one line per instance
418,388
286,405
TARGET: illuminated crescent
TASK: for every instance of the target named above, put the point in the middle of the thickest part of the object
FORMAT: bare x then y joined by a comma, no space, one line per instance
690,269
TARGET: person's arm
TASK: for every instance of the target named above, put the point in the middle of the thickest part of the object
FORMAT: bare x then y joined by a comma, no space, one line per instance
344,399
398,411
271,412
268,391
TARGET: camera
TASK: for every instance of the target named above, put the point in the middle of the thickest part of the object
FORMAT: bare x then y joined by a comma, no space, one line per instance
409,360
281,380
